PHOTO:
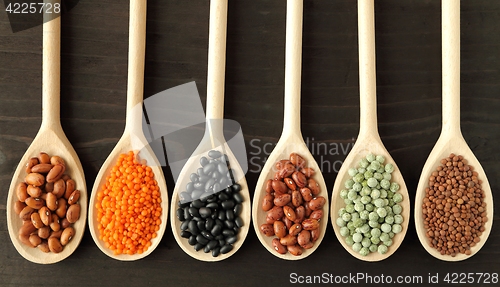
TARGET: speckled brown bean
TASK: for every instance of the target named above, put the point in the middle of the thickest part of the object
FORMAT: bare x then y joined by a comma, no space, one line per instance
282,199
35,179
267,229
25,239
31,163
55,225
34,191
290,183
279,187
27,228
57,160
73,198
41,168
55,245
26,213
287,170
21,192
297,198
64,223
278,246
67,235
49,187
307,171
297,160
288,240
314,234
45,215
61,208
44,247
55,173
313,186
279,228
289,213
43,157
267,202
60,188
44,232
294,250
35,202
19,206
300,179
304,238
295,229
276,213
73,213
306,194
51,201
317,214
300,214
317,203
56,234
310,224
36,220
35,240
288,222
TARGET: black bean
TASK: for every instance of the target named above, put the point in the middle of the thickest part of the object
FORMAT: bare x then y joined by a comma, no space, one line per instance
236,187
198,246
212,244
182,203
229,224
203,161
185,234
192,240
194,177
205,212
237,209
230,214
196,194
228,232
228,190
224,183
216,187
190,187
201,239
223,196
236,229
238,197
216,230
219,237
209,185
207,235
180,214
200,172
227,204
204,178
184,225
214,154
206,249
209,224
239,222
222,242
222,215
209,168
194,212
212,205
222,168
201,225
187,215
212,198
226,248
198,219
216,251
193,227
197,203
231,239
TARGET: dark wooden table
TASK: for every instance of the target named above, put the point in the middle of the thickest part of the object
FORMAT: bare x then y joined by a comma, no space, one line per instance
93,90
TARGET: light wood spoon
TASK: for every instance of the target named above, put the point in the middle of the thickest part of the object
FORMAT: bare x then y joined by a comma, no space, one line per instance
133,137
52,140
213,138
291,138
368,140
451,139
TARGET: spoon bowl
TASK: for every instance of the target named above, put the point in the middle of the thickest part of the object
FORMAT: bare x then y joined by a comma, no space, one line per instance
133,137
368,139
52,140
213,138
291,139
451,139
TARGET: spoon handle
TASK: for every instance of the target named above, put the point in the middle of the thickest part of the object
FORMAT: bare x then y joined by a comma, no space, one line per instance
451,66
367,75
216,59
136,54
293,66
51,66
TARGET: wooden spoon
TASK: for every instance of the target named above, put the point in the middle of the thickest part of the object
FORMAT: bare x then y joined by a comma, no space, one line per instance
213,138
368,140
52,140
451,139
291,138
133,136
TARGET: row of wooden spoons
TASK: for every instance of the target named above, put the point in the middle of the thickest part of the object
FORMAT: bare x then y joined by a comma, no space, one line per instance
51,137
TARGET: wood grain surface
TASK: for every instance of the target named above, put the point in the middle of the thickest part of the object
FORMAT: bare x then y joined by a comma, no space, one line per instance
93,100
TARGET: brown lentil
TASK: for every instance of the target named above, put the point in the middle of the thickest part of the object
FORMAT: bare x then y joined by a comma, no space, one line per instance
453,207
